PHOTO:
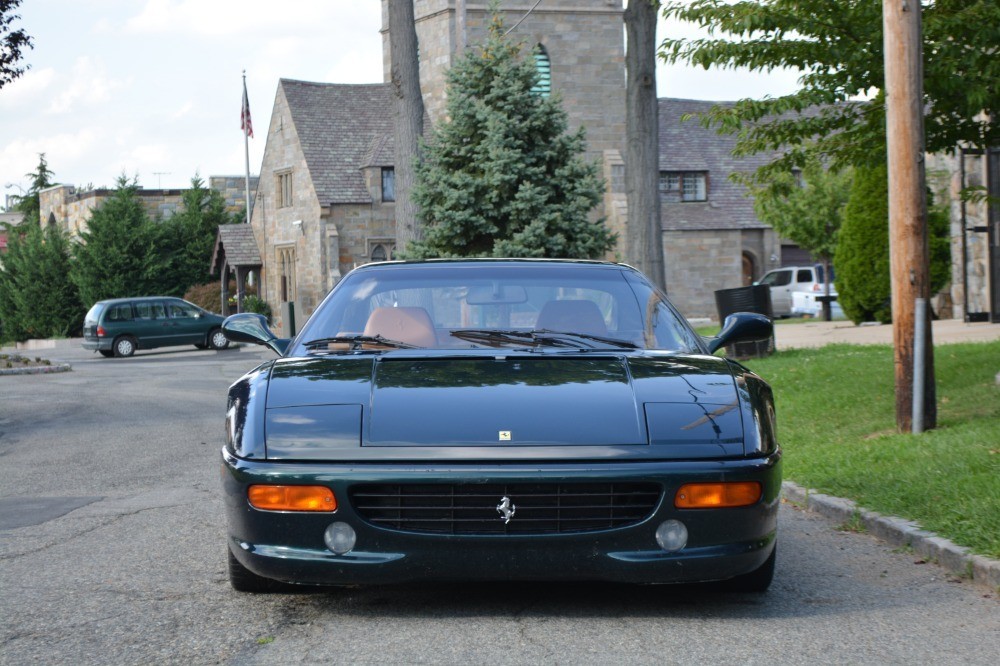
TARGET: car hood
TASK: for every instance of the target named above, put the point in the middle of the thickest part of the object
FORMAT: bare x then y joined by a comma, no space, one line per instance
681,406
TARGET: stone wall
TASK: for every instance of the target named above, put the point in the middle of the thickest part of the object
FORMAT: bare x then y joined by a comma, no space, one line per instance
70,210
700,262
583,38
944,177
233,189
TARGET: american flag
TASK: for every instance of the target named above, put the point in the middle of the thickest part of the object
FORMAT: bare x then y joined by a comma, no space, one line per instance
245,124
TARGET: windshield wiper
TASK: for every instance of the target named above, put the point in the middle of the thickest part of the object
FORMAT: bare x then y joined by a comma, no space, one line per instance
356,342
538,338
615,342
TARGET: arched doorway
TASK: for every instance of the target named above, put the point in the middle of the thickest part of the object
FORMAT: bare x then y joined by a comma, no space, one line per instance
749,269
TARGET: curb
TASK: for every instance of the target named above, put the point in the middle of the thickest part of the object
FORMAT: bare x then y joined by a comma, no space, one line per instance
900,532
37,370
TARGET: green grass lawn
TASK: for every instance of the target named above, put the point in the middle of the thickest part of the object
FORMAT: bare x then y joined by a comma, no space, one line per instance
836,425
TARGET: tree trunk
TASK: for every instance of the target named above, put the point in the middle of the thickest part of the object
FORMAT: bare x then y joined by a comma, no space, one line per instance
408,110
908,246
644,244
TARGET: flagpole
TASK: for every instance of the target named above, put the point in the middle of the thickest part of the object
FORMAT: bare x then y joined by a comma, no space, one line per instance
246,148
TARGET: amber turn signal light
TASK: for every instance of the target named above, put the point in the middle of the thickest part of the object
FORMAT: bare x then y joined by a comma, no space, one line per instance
717,495
292,498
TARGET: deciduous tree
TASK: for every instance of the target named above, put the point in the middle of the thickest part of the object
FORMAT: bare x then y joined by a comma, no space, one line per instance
805,207
839,109
12,43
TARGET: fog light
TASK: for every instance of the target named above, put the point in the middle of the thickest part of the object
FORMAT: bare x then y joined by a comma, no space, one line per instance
671,535
340,538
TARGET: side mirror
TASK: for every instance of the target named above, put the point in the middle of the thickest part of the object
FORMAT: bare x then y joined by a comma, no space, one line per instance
251,327
741,327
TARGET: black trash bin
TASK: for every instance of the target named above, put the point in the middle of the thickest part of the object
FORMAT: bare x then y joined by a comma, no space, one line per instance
755,298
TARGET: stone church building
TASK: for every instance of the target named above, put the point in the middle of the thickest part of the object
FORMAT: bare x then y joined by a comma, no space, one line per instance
325,202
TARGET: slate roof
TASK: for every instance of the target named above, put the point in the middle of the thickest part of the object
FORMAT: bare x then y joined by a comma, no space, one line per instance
687,146
341,127
235,243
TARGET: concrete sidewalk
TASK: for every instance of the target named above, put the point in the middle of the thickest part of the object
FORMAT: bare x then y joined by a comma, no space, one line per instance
812,333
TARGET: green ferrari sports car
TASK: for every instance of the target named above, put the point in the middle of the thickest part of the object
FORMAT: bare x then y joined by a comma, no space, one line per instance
499,420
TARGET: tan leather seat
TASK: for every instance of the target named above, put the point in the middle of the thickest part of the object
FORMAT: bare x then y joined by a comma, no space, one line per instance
410,325
572,316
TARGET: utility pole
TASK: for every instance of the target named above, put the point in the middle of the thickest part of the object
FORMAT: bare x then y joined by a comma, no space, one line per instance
908,249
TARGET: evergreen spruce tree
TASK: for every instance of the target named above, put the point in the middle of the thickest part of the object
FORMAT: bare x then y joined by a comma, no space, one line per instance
187,238
37,299
502,176
118,255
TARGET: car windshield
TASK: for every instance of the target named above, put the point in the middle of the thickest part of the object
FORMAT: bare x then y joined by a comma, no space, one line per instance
544,307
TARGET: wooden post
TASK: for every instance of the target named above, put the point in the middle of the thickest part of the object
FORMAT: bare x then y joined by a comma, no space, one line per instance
909,256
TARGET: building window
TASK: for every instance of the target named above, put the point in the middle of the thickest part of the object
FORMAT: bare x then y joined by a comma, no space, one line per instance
283,189
381,249
544,68
388,184
286,273
684,185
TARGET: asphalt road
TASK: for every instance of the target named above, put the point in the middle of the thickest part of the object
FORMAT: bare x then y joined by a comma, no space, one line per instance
112,552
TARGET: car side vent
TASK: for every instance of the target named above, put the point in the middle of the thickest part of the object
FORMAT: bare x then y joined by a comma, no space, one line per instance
556,508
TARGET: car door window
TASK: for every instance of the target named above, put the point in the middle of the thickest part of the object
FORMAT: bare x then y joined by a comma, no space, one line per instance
178,310
120,312
805,275
777,278
150,310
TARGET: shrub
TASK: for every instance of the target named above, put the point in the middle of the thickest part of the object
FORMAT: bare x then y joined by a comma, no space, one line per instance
253,303
862,255
209,295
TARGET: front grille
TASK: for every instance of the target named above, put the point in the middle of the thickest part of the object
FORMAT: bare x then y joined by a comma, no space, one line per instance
547,508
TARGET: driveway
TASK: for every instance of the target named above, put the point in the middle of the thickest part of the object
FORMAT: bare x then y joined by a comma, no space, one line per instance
111,551
795,333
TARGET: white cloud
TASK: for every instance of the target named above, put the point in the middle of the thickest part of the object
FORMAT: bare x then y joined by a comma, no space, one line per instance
184,110
238,17
89,85
20,156
27,88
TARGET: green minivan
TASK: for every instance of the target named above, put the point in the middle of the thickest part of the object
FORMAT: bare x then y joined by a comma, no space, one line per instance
120,326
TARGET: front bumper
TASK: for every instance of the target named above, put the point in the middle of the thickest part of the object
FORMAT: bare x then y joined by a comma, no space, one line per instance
289,547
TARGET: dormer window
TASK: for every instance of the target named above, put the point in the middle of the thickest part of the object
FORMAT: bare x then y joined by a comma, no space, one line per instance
684,186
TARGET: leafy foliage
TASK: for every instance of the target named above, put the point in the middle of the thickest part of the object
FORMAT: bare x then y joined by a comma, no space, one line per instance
187,238
253,303
862,254
809,213
118,254
839,50
209,295
12,43
36,299
502,177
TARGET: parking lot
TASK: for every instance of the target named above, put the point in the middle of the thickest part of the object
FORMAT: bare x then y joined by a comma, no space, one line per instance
112,551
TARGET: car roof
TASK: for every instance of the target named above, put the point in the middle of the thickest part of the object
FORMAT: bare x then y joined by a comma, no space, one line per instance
132,299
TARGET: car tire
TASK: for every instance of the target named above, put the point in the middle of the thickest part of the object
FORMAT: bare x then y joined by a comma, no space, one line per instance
243,580
106,353
758,580
124,346
217,339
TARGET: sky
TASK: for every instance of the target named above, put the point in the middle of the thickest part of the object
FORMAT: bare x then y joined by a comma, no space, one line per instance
152,88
